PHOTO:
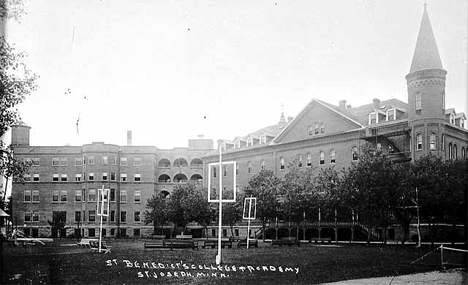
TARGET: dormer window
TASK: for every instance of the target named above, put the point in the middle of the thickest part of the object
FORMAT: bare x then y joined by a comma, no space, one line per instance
452,119
316,128
391,114
237,144
462,122
250,141
373,119
263,139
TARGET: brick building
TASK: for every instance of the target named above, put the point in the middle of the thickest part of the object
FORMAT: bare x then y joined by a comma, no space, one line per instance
64,180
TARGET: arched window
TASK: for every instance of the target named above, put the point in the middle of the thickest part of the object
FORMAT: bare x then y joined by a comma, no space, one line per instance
309,160
249,168
355,153
419,144
322,157
299,161
263,164
282,163
450,151
432,141
463,153
311,130
455,151
332,157
322,128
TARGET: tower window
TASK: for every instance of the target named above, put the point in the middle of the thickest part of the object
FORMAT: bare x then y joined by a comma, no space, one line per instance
432,141
418,101
419,145
443,142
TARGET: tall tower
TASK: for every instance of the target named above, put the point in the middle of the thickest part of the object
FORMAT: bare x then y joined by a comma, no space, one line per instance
426,94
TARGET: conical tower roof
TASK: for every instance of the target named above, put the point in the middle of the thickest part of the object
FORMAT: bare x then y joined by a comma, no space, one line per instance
426,55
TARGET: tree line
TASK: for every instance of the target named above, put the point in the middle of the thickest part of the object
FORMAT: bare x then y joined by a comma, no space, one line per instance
374,191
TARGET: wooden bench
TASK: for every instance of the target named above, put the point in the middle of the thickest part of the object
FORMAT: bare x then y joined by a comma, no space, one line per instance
289,241
85,242
180,243
322,240
214,243
243,242
158,236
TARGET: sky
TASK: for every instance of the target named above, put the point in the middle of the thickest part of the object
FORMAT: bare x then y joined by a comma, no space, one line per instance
170,71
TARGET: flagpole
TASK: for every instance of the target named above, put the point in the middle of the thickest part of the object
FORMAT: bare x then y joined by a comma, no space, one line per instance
218,257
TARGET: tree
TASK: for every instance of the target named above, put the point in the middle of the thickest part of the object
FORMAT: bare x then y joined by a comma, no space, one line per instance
297,194
189,203
232,213
16,83
157,212
264,186
367,188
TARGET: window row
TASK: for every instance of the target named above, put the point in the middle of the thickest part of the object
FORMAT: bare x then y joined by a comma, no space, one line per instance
180,162
80,216
453,151
377,117
90,160
61,196
82,177
317,128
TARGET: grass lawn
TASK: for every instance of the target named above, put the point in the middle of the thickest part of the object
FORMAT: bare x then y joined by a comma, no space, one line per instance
62,262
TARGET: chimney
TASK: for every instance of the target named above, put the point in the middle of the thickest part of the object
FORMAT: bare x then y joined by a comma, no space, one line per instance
342,104
129,138
376,104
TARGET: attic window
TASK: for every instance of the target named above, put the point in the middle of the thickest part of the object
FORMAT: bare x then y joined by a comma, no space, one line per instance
462,122
391,114
373,119
263,139
452,119
249,141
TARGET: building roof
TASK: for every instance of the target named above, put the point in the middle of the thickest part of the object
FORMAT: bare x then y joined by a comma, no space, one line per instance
426,55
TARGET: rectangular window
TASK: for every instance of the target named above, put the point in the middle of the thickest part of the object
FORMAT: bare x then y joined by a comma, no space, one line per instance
316,128
78,177
112,215
35,217
92,215
137,197
92,195
55,177
418,101
27,178
36,161
123,161
36,178
63,178
63,196
123,177
90,159
123,196
136,216
112,195
104,176
27,216
63,161
78,161
391,114
105,160
137,177
55,162
214,171
35,196
78,196
137,161
55,196
77,216
113,160
112,178
225,171
373,118
419,142
123,216
91,176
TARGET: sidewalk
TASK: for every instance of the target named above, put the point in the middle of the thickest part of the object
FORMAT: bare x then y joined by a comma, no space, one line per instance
452,277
